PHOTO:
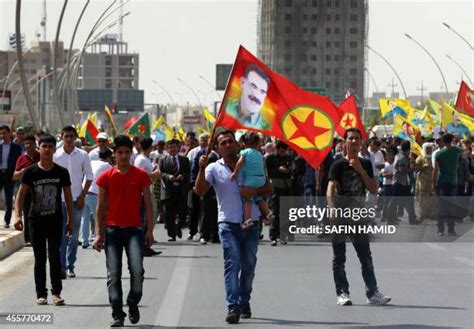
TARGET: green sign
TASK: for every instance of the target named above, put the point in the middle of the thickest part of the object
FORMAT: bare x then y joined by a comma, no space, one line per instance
317,90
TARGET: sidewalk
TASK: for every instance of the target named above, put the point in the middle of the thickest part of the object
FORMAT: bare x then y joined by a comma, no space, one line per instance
10,239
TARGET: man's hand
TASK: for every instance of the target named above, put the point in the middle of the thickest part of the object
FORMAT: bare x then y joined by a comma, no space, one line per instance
172,178
232,177
98,242
80,202
149,240
18,224
355,163
203,161
284,170
69,228
180,178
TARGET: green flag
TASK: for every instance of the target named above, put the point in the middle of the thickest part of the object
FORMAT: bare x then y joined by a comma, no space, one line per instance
141,126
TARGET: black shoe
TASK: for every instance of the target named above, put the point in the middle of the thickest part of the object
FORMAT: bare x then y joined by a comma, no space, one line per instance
414,222
117,322
233,316
260,237
63,274
179,234
190,237
133,314
85,246
171,239
274,243
148,252
245,311
6,226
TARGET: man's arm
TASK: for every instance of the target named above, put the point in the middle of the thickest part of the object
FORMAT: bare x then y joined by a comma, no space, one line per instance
68,200
434,176
20,199
18,174
99,222
149,216
201,186
89,175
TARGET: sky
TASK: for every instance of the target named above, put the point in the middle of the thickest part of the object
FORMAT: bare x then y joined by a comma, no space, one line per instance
185,39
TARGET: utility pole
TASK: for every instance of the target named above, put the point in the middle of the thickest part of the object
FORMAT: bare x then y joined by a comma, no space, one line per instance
393,85
422,89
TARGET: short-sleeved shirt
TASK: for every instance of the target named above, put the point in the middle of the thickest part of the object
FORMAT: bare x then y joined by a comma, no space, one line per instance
144,163
350,183
401,161
448,162
229,202
124,192
24,161
253,165
46,188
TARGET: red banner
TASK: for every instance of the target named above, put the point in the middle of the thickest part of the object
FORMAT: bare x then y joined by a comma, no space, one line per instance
260,100
350,117
465,100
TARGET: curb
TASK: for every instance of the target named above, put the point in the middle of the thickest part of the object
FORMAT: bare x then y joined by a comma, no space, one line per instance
10,242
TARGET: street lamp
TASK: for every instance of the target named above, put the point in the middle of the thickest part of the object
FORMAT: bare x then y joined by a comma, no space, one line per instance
434,60
460,67
372,79
459,35
211,85
166,91
391,67
192,90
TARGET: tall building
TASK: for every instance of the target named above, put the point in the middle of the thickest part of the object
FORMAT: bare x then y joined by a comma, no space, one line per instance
109,76
317,44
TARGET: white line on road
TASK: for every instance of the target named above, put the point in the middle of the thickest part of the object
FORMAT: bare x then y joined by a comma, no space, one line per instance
172,304
435,246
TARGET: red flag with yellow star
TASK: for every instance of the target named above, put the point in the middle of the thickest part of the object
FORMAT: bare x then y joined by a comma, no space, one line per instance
261,100
465,100
350,117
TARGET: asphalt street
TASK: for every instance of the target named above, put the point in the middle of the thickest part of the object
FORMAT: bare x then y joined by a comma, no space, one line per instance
431,285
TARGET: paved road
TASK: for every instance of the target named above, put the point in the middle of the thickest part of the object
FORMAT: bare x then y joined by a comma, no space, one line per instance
432,286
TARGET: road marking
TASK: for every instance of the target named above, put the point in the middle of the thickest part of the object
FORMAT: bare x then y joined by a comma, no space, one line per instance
172,304
435,246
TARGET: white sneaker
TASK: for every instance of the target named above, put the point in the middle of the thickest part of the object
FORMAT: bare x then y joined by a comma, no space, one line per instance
344,299
202,241
378,299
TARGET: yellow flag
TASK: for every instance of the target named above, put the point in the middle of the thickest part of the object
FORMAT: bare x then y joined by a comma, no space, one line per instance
447,115
392,106
403,129
416,148
158,122
93,118
437,109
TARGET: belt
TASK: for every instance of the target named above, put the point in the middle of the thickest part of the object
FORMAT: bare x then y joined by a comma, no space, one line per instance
91,193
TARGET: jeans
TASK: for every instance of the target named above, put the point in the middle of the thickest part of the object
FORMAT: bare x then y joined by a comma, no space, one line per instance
90,204
46,232
386,200
116,240
69,244
362,248
7,185
446,209
240,256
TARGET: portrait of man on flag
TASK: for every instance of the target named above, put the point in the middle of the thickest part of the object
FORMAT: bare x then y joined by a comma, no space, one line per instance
246,100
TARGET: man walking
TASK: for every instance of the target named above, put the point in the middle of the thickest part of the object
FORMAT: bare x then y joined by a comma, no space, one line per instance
349,179
121,189
78,164
239,245
45,181
9,154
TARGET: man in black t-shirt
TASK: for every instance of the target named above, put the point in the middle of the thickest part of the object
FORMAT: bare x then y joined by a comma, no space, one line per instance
45,181
349,178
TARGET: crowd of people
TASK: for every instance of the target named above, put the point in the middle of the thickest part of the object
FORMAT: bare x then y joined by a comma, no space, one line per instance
222,191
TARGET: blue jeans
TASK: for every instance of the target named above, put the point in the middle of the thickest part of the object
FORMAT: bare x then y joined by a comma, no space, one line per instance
116,240
90,203
240,256
69,245
446,210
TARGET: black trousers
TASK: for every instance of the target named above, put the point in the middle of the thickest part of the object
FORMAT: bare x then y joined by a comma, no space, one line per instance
26,210
175,206
46,235
208,219
362,248
275,207
195,213
7,185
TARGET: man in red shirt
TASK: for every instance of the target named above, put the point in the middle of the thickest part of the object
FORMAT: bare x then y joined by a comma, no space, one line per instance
30,157
120,193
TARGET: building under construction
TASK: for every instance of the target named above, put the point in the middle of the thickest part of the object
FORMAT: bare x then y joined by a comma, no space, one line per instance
317,44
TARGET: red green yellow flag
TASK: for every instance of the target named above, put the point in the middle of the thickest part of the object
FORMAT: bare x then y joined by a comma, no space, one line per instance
141,126
91,132
110,123
350,117
261,100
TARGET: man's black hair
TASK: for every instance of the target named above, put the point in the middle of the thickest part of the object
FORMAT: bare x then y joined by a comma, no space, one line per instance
30,138
69,129
107,153
5,127
173,141
352,130
146,143
122,140
448,138
280,145
257,69
224,132
406,145
47,139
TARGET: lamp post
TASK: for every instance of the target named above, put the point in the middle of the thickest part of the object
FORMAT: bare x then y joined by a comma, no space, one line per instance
192,90
372,79
434,60
460,67
459,35
391,67
211,85
55,65
165,91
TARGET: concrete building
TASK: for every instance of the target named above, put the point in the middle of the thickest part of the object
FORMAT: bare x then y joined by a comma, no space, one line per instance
316,43
108,75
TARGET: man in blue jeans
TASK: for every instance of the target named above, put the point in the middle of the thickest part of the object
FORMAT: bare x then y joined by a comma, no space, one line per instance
239,244
121,189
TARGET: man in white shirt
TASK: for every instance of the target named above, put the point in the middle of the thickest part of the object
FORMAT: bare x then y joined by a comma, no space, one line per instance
103,144
78,164
90,202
